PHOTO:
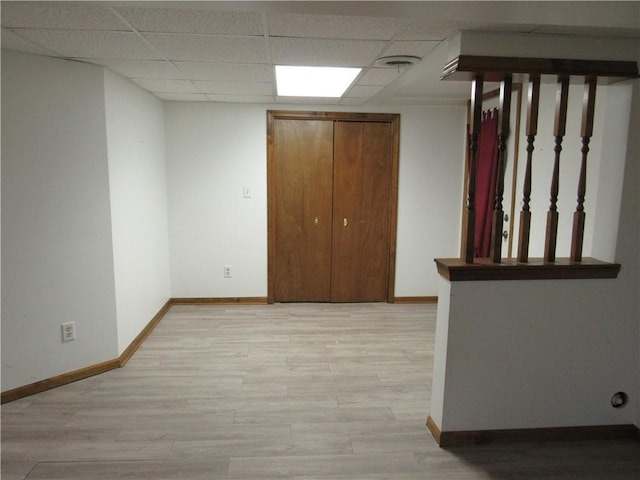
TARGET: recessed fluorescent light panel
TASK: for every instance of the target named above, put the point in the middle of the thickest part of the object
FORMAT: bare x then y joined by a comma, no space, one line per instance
314,81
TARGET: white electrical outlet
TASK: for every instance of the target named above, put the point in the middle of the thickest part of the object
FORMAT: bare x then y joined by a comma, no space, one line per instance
227,271
68,331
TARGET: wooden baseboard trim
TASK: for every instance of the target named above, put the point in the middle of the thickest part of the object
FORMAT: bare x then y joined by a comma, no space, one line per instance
434,429
142,336
121,361
478,437
410,300
59,380
86,372
219,301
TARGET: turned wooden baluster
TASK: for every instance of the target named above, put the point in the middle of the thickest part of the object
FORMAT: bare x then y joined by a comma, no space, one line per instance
474,132
532,130
560,123
495,251
588,110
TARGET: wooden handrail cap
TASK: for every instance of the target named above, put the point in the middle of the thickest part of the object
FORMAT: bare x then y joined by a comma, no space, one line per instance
457,270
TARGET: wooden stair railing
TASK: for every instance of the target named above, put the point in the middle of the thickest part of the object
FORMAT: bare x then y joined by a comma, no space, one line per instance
495,251
559,130
533,103
474,132
506,70
588,111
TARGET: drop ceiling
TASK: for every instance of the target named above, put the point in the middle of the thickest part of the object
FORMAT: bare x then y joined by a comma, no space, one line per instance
226,51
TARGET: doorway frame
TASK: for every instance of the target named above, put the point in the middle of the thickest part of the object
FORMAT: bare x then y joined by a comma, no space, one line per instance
394,120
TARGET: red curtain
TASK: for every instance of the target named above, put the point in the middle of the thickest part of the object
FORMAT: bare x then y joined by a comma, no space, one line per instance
486,174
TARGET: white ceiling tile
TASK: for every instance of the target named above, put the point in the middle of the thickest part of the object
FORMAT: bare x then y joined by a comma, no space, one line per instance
334,26
353,101
176,20
363,91
15,41
318,52
166,85
235,57
380,76
226,72
58,15
141,68
415,48
241,98
431,29
182,97
93,44
209,48
235,88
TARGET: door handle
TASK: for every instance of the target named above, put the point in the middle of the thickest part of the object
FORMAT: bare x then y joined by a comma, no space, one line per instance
345,222
315,221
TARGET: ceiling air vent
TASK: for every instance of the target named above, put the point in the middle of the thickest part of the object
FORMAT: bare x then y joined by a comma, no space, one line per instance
398,61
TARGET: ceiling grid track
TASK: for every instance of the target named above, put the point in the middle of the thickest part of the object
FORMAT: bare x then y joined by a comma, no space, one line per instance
152,47
227,51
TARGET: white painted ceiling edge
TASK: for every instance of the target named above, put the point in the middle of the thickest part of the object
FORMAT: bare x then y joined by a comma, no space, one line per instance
574,47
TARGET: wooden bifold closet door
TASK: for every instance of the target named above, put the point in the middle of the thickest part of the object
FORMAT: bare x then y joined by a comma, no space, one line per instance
332,206
303,172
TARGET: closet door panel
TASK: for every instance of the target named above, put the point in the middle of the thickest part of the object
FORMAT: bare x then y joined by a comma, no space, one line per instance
302,169
347,191
374,212
363,163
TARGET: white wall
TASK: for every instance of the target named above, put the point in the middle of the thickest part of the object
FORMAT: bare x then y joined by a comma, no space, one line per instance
84,205
541,353
628,244
137,183
611,153
56,229
214,149
430,195
84,215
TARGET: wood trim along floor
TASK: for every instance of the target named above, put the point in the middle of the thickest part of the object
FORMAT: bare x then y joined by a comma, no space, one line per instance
409,300
146,331
434,429
219,301
59,380
477,437
121,361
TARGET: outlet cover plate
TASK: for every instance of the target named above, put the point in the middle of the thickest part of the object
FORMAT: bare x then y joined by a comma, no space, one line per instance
68,331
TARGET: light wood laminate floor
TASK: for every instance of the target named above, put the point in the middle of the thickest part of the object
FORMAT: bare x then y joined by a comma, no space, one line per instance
296,391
